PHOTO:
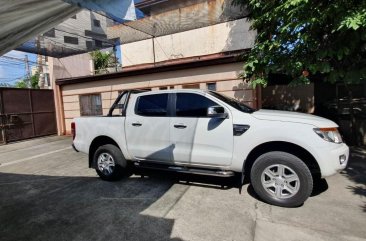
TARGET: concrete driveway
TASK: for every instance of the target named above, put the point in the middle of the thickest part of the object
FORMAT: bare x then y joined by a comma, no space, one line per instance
47,192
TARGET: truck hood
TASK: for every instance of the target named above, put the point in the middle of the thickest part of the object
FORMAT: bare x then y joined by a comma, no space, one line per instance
287,116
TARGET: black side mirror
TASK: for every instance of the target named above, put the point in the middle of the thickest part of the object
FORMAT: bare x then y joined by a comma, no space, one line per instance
217,112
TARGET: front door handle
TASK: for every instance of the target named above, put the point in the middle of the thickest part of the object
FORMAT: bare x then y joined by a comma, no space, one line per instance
180,126
136,124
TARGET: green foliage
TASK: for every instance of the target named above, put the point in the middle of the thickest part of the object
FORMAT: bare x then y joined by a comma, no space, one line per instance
21,84
33,80
301,38
102,60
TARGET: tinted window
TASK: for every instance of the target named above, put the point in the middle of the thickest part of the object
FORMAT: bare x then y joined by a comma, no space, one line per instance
152,105
192,105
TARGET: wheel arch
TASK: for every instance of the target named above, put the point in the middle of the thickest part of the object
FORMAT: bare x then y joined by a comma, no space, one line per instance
287,147
97,142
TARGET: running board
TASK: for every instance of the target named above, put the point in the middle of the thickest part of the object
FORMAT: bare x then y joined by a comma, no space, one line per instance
183,169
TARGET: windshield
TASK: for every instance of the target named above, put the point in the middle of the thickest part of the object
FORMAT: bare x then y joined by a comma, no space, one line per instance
232,102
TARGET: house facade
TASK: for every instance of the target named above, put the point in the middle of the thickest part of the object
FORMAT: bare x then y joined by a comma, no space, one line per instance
205,57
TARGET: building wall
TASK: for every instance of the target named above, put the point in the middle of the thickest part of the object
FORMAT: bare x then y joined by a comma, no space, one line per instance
223,37
84,20
225,76
70,67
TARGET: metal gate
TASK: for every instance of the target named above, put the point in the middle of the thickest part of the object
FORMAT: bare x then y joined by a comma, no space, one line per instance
26,113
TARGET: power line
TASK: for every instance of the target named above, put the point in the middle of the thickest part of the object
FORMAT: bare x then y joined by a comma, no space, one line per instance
19,59
12,79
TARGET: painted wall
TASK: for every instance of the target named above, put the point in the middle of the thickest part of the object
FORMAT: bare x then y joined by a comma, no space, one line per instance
68,67
223,37
225,76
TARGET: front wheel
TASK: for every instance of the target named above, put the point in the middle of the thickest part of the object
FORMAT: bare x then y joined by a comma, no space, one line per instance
281,179
108,159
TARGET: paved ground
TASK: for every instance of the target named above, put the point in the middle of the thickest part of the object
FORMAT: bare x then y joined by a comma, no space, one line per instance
48,193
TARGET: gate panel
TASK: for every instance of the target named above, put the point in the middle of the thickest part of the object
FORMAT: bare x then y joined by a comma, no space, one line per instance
26,113
44,117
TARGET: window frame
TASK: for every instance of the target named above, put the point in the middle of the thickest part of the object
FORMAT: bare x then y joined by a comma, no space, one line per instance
89,95
175,99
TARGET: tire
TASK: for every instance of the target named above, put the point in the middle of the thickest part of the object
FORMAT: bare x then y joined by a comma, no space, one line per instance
108,159
281,179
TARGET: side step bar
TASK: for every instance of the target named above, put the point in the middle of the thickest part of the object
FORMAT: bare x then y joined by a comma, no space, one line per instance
183,169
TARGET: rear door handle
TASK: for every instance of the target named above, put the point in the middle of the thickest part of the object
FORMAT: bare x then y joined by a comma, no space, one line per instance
180,126
136,124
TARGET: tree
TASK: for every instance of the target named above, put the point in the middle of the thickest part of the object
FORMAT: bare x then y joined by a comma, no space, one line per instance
102,60
33,80
301,38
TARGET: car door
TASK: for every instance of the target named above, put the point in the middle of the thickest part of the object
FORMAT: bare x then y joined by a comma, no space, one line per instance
147,127
197,138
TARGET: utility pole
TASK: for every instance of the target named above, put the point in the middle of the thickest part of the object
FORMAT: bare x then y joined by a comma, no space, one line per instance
41,80
27,71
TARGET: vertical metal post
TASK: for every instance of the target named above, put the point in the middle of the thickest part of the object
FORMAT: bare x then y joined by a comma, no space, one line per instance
31,111
27,70
153,45
115,56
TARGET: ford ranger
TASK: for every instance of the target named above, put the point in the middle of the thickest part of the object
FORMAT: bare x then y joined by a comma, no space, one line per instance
204,132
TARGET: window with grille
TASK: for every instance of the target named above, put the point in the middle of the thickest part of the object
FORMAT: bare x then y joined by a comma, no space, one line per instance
90,105
211,86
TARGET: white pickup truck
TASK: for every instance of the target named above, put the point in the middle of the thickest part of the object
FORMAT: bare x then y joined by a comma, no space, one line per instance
204,132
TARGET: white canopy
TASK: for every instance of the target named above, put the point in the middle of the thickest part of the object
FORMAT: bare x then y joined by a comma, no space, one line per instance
22,20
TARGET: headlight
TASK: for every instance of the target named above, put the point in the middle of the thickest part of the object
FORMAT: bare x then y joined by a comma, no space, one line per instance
329,134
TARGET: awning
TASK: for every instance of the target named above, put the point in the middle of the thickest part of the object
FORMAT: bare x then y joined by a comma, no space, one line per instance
22,20
73,37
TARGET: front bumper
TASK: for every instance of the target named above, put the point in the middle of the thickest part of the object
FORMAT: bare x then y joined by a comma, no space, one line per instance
333,159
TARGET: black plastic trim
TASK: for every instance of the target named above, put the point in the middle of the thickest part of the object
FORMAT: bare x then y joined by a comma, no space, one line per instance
240,129
73,147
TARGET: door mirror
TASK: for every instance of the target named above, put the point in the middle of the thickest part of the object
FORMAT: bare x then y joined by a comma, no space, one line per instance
216,112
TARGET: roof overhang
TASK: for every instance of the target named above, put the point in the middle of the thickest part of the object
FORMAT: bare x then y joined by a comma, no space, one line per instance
170,65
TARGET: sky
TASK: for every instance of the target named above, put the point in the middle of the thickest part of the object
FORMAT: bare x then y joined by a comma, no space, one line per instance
13,70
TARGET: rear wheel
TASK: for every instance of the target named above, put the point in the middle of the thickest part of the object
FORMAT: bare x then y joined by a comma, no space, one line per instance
282,179
108,159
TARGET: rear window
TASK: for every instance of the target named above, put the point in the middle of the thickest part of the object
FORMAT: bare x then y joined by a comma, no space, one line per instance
152,105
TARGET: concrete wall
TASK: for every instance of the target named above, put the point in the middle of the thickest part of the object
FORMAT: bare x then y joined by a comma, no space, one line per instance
69,67
225,77
223,37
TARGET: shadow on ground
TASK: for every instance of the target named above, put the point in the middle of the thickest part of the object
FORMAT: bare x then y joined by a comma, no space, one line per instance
39,207
35,207
356,172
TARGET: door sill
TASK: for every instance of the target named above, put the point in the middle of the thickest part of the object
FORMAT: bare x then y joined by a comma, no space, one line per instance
183,169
